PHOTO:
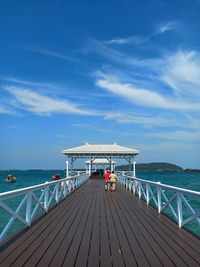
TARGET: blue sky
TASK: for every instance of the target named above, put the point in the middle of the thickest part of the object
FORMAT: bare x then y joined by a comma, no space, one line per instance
101,72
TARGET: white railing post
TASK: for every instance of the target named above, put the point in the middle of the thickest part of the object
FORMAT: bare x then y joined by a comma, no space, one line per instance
28,208
134,169
57,193
159,199
79,178
130,185
74,183
147,193
67,168
69,186
46,199
126,183
134,186
180,210
139,190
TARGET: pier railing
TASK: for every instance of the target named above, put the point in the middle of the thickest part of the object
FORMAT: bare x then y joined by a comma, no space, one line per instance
181,205
19,208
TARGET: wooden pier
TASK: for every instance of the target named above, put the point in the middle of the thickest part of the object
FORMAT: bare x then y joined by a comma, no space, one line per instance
96,228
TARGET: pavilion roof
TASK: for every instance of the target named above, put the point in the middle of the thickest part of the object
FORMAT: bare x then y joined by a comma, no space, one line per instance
100,150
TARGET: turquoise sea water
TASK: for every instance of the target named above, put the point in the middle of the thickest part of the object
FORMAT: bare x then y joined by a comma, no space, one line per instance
33,177
188,180
26,178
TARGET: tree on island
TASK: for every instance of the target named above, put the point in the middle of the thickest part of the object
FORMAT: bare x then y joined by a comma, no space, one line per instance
154,166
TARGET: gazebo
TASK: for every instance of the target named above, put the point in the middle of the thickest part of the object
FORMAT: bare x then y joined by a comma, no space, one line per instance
100,163
100,151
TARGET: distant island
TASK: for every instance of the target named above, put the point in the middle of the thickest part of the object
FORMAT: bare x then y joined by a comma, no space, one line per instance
154,166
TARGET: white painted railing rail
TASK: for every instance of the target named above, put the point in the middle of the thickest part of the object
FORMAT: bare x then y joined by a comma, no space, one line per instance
180,204
27,204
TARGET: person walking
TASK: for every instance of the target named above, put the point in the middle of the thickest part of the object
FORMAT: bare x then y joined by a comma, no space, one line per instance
107,178
113,180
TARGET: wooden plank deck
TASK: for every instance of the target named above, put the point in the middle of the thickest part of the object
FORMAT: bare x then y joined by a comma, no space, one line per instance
97,228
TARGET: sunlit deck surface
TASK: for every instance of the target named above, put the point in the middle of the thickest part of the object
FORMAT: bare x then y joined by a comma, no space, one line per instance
97,228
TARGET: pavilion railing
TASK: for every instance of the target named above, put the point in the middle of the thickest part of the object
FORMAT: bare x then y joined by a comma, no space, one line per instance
181,205
19,208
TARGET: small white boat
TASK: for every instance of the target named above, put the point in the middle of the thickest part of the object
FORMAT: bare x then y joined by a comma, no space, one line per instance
10,178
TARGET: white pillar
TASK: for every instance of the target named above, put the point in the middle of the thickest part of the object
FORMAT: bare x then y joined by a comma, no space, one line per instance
86,167
67,168
113,166
134,169
90,167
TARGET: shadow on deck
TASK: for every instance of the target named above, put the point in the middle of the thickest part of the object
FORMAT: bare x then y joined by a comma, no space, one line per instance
97,228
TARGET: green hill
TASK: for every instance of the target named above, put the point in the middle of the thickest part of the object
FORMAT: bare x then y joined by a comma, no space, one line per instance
154,166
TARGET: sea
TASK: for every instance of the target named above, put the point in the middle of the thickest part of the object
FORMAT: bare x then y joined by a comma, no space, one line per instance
26,178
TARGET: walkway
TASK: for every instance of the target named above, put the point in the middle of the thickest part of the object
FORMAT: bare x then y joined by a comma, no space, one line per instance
97,228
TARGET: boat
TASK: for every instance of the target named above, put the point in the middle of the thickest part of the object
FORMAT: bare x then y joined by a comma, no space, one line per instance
56,177
10,178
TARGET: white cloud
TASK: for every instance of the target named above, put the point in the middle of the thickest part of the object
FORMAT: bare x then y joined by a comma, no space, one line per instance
182,72
105,51
128,40
116,41
192,121
143,96
145,121
43,105
81,125
4,110
13,80
53,90
169,82
167,26
50,53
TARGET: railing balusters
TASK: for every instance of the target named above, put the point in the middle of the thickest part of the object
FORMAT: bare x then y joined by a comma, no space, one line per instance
154,193
46,198
139,190
159,199
179,209
49,191
29,208
147,193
